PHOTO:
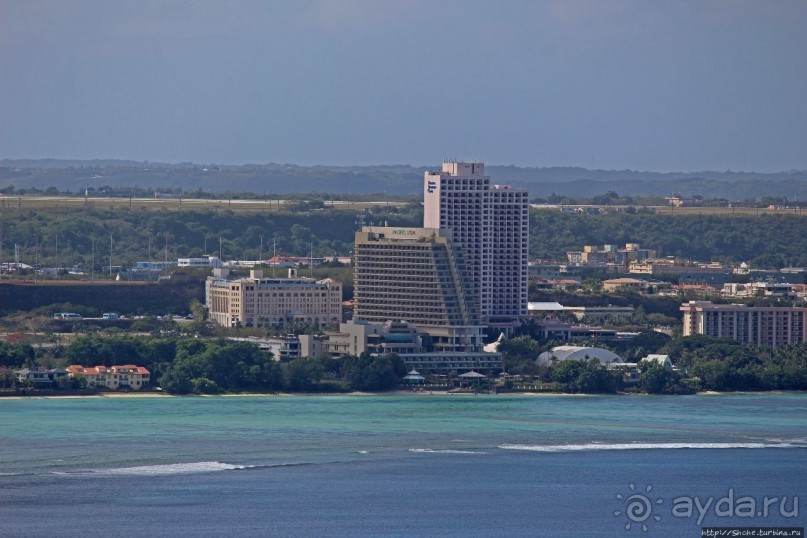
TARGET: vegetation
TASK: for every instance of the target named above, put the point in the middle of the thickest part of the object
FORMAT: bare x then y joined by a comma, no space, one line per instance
53,177
134,235
208,366
586,376
766,241
702,363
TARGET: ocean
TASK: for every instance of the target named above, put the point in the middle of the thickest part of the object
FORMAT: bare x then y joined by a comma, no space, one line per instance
402,465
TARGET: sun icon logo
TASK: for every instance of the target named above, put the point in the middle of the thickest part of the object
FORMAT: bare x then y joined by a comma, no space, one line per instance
638,507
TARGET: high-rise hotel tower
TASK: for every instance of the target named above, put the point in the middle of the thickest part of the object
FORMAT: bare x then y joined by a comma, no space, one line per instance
490,223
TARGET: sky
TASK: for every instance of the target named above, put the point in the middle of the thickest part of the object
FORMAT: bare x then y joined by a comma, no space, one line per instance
611,84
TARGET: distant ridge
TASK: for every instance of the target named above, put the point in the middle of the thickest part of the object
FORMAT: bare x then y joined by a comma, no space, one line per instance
273,178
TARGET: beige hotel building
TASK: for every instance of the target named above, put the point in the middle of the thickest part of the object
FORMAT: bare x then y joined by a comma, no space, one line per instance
256,301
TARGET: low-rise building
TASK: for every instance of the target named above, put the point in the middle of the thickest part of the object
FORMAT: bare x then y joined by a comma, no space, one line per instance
654,358
599,312
759,289
282,348
626,284
256,301
127,376
39,376
204,262
560,354
415,345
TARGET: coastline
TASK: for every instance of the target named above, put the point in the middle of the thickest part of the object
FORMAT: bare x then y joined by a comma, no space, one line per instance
138,395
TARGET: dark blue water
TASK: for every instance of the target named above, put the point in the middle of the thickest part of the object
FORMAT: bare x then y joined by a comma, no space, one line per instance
365,466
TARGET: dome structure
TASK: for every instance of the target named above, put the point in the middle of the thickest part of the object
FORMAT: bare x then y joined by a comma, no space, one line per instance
577,353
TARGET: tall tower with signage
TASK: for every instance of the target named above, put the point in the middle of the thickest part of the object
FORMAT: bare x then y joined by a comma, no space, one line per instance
490,224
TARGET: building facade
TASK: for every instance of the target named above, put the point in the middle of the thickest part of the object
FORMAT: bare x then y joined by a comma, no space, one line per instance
490,224
765,326
127,376
414,345
256,301
414,275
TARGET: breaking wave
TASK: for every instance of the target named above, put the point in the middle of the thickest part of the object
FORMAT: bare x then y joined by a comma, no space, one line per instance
642,446
443,451
173,468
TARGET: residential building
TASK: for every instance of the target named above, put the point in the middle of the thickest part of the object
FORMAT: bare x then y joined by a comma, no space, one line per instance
127,376
39,376
490,224
662,360
761,325
626,284
282,348
256,301
759,289
593,255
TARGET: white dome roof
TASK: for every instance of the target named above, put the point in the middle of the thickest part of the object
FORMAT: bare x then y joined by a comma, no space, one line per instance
577,353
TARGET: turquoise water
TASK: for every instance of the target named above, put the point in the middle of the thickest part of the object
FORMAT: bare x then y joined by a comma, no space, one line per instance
312,465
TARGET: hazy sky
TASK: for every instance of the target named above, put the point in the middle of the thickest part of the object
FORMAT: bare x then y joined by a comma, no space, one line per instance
647,84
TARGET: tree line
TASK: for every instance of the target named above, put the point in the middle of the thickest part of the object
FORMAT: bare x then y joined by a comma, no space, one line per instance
702,363
181,365
766,241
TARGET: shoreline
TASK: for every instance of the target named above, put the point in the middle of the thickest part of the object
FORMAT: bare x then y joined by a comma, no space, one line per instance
146,395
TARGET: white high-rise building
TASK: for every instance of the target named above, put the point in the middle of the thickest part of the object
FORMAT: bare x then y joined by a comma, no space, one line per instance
490,223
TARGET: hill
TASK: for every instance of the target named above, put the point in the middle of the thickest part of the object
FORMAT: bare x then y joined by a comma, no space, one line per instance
76,176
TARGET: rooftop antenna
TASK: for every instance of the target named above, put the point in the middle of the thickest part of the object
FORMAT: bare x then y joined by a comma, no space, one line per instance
274,255
311,260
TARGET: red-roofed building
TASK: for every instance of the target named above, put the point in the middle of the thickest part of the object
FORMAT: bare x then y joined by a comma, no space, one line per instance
112,377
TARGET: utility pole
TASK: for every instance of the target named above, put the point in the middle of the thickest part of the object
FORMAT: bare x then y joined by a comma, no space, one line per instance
110,254
220,254
260,253
166,248
36,256
58,277
92,266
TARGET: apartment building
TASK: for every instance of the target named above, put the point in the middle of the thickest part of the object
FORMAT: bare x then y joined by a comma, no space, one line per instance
490,224
256,301
126,376
761,325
